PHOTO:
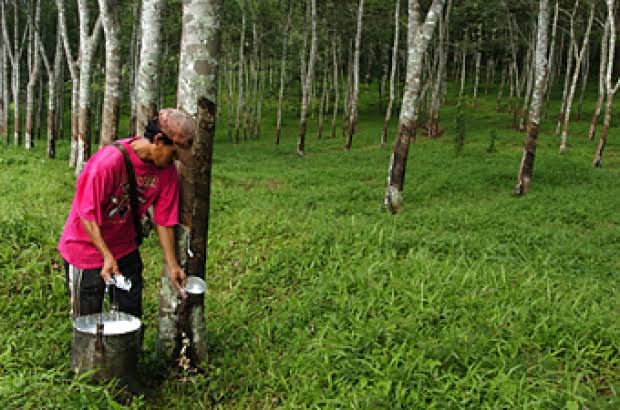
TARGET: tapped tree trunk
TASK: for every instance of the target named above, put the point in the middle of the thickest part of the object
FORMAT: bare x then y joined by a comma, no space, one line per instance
418,38
148,70
307,85
388,110
87,49
111,27
601,81
197,95
571,94
287,31
356,77
529,150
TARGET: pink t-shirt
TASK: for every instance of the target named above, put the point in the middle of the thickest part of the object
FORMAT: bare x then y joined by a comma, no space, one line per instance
102,195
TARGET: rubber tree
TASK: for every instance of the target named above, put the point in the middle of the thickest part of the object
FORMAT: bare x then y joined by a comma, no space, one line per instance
529,149
109,10
418,38
75,82
148,69
88,43
579,54
4,97
307,80
601,81
356,77
15,58
33,75
285,36
388,110
610,90
197,95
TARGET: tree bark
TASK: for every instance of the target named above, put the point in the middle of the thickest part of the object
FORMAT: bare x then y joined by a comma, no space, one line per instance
571,94
148,70
388,110
436,98
611,90
356,77
601,81
108,10
287,31
197,95
569,70
529,150
4,97
87,49
336,86
240,80
418,38
75,84
307,86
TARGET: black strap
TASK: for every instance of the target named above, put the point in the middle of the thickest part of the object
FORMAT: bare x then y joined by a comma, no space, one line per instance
133,193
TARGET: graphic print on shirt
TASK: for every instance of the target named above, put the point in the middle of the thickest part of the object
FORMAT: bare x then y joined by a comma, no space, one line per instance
120,202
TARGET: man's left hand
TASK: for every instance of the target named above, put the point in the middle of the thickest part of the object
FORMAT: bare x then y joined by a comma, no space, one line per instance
177,276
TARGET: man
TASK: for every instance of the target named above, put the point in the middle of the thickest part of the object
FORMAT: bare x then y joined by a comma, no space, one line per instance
99,240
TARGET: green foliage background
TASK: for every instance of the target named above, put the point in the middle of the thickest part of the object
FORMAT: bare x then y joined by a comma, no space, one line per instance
470,298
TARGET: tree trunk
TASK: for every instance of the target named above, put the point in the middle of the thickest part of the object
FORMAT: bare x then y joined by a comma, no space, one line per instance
135,49
436,98
418,38
307,86
611,90
4,97
87,48
148,70
322,106
356,77
569,70
529,150
111,27
571,94
33,76
478,60
585,69
287,31
197,94
240,81
336,85
601,81
75,84
388,110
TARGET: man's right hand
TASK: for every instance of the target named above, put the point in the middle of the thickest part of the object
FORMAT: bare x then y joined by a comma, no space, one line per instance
110,267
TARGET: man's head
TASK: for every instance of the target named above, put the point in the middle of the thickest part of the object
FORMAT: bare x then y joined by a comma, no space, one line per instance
172,129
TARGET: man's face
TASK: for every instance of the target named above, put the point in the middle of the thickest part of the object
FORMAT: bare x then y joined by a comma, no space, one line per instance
163,152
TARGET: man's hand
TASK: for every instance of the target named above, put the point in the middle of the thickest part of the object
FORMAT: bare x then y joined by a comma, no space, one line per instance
110,267
177,276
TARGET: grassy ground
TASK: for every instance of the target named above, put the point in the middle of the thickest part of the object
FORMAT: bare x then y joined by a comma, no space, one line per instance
470,298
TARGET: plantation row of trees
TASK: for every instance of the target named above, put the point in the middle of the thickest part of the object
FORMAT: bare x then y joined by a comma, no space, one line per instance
121,57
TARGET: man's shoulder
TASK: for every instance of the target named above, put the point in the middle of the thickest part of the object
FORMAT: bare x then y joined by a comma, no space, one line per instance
106,157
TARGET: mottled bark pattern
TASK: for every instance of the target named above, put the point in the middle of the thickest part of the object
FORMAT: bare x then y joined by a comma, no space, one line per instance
307,86
526,168
356,78
150,55
388,110
418,38
33,78
196,94
601,82
111,102
283,74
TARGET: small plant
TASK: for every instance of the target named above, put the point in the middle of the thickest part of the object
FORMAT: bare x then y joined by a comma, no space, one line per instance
459,137
492,138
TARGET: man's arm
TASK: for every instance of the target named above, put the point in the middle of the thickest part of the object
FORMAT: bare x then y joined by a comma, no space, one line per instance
110,267
166,239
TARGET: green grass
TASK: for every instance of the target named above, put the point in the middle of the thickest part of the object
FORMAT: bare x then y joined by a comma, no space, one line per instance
470,298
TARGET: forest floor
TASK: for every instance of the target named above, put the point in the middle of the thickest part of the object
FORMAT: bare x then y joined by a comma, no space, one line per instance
469,298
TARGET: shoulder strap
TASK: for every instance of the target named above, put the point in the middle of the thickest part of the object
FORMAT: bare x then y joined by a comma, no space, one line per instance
133,193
